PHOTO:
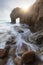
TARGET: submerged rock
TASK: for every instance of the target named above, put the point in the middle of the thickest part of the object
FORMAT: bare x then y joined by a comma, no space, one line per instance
22,49
3,61
11,40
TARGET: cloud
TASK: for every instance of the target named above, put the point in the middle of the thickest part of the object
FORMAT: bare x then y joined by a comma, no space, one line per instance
6,6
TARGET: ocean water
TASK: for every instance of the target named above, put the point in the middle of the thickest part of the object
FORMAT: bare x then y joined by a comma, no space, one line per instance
7,30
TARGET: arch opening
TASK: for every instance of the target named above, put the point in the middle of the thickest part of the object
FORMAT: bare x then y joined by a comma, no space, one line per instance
17,20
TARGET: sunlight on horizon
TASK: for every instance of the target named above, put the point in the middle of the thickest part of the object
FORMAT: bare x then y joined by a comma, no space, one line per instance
24,4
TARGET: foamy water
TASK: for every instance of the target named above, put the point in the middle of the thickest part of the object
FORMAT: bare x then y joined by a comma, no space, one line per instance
7,30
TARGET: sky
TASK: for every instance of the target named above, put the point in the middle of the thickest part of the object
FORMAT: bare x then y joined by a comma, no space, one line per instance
6,6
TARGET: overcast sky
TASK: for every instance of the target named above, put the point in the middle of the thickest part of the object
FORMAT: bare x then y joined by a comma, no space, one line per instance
6,7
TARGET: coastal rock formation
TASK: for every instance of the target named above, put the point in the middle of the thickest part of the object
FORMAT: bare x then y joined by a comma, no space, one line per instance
17,13
37,15
33,18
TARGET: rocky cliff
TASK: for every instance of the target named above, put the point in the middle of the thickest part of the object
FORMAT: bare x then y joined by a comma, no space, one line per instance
34,18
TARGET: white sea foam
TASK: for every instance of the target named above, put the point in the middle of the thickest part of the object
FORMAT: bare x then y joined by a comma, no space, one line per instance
6,30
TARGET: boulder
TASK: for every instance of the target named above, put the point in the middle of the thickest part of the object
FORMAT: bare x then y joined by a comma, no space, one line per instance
3,53
31,58
3,61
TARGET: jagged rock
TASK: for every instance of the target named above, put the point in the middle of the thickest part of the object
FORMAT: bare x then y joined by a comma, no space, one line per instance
36,36
11,40
39,40
31,58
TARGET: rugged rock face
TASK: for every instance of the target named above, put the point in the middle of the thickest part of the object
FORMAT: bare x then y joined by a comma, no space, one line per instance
37,15
34,18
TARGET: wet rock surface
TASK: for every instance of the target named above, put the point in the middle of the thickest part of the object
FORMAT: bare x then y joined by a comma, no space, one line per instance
37,38
3,53
31,58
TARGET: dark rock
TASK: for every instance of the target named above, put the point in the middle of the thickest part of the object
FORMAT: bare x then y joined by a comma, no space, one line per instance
39,40
3,53
3,61
31,58
11,41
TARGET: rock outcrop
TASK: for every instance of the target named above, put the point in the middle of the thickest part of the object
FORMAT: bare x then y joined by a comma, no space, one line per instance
34,18
37,15
17,13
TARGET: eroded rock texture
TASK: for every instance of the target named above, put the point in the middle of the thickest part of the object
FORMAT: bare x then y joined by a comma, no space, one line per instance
37,15
34,18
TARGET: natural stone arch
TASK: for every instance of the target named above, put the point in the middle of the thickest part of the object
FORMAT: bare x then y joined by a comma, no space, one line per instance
19,13
34,18
16,13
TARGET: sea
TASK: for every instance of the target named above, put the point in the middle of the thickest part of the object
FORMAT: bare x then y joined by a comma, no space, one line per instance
7,30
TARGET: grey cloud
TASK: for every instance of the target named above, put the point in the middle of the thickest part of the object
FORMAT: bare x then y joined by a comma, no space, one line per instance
8,5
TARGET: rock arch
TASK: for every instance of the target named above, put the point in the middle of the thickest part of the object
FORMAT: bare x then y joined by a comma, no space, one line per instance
34,18
17,13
